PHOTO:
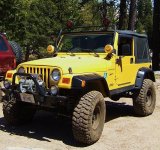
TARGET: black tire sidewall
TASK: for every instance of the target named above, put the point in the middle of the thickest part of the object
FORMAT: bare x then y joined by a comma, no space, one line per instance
96,132
17,112
82,126
139,102
150,86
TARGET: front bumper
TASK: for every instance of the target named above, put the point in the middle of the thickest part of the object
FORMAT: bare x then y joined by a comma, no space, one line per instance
41,96
1,78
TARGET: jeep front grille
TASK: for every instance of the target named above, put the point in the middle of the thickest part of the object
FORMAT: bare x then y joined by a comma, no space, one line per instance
45,72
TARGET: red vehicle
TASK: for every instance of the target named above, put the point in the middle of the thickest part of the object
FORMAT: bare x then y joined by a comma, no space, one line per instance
10,55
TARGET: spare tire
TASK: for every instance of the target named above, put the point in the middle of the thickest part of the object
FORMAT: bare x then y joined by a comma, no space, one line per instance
17,51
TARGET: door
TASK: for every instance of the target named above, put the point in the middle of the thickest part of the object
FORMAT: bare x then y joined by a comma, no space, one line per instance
125,61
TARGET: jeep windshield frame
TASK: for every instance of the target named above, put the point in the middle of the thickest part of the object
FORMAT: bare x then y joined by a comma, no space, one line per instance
85,42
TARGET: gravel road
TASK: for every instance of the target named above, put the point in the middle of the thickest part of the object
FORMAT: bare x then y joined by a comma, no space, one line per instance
122,131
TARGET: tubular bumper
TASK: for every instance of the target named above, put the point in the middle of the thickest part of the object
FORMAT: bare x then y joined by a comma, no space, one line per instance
41,96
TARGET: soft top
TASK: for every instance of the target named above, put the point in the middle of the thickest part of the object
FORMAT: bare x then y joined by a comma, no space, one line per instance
100,29
124,32
128,32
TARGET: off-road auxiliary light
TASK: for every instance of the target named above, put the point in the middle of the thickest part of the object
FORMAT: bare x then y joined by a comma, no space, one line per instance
69,24
27,84
54,90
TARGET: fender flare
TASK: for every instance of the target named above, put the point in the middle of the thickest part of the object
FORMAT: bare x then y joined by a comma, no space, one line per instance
143,73
93,82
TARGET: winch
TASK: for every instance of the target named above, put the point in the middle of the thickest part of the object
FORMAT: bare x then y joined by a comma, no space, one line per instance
28,85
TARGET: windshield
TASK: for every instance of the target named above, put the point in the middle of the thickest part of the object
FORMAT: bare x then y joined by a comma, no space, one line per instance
85,43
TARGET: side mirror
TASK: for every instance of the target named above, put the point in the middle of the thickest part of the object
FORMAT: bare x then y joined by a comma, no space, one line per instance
108,49
51,49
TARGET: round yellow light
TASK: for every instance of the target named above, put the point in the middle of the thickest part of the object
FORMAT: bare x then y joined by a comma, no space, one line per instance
108,48
50,49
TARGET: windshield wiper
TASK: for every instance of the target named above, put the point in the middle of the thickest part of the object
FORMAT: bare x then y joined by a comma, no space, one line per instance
70,53
82,50
92,51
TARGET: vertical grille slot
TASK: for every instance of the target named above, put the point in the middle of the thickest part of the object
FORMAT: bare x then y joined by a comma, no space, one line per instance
45,77
48,78
41,73
45,72
30,69
38,71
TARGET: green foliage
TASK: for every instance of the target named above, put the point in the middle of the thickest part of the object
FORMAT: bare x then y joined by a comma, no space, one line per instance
33,22
40,23
89,13
144,22
112,12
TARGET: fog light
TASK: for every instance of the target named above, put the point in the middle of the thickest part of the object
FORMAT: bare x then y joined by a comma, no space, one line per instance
54,90
6,84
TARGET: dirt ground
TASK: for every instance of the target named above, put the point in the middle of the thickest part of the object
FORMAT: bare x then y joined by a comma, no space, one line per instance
122,131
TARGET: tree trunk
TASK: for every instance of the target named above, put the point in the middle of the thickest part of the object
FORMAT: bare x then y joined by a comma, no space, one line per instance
27,53
132,15
156,35
123,15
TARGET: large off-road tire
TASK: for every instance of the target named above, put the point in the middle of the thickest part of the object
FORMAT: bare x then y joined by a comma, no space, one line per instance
144,102
17,112
89,117
17,51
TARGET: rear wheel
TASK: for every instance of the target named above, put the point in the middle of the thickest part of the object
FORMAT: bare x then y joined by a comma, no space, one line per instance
89,117
144,102
17,112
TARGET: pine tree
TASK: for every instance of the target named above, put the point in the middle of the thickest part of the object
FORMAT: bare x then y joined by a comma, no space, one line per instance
132,15
123,15
144,16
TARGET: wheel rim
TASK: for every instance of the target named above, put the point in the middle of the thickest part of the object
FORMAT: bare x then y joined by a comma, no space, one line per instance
96,117
149,97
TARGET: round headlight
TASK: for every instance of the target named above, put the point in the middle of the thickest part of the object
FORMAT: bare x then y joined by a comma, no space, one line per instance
56,75
21,70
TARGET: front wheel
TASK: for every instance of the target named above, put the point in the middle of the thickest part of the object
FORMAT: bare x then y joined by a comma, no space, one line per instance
89,117
144,102
17,112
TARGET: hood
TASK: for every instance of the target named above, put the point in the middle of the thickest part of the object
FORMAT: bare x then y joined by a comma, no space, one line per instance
78,64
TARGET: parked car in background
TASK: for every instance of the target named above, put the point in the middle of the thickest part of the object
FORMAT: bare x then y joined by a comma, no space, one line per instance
10,56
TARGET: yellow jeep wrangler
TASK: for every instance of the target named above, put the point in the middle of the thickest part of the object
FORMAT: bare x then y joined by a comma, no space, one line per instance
85,68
